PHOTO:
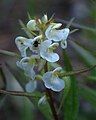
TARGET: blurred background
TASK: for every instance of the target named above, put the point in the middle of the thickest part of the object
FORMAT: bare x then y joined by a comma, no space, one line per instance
84,11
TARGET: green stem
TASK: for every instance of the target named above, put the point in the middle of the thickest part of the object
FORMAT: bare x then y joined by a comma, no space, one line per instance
61,103
50,99
77,72
17,93
8,53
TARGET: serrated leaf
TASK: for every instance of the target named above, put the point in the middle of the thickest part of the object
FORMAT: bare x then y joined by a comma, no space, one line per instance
88,94
71,101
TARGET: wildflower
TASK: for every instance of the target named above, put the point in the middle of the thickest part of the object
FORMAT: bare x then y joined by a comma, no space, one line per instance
46,51
57,35
35,44
52,81
27,64
44,19
23,44
32,26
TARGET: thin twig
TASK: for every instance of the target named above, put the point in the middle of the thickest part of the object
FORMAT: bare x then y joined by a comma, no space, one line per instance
8,53
77,72
77,25
17,93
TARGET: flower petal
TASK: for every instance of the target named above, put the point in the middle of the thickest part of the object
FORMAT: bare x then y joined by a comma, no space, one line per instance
52,57
44,19
31,25
65,33
20,45
28,68
57,84
45,54
64,44
31,86
56,35
53,82
46,78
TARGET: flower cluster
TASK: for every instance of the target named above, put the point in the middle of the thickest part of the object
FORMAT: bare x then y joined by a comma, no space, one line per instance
39,49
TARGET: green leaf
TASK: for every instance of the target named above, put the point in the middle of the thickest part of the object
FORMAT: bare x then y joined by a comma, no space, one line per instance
27,111
91,78
46,111
71,101
2,86
88,94
85,55
26,30
65,92
4,52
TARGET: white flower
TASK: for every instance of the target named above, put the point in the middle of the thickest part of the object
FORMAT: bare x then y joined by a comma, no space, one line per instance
57,35
32,26
46,51
52,81
27,64
31,86
44,19
35,44
23,44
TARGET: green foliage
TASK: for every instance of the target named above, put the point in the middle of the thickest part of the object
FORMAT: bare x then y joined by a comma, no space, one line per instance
88,94
71,101
46,111
84,55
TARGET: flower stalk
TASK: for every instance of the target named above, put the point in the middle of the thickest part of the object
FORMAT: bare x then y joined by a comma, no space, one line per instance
50,100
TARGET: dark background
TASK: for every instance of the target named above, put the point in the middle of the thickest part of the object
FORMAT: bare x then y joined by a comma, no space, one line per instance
84,11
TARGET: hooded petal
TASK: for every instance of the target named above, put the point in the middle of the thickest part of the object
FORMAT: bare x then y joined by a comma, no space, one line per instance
52,57
22,44
56,35
53,82
44,19
57,84
52,33
47,54
27,67
31,25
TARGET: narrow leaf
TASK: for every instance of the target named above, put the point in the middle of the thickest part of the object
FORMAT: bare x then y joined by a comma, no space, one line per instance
91,78
8,53
88,94
85,56
71,101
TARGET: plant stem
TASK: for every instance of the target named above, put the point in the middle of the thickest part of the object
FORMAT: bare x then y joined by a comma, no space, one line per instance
77,72
50,99
17,93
